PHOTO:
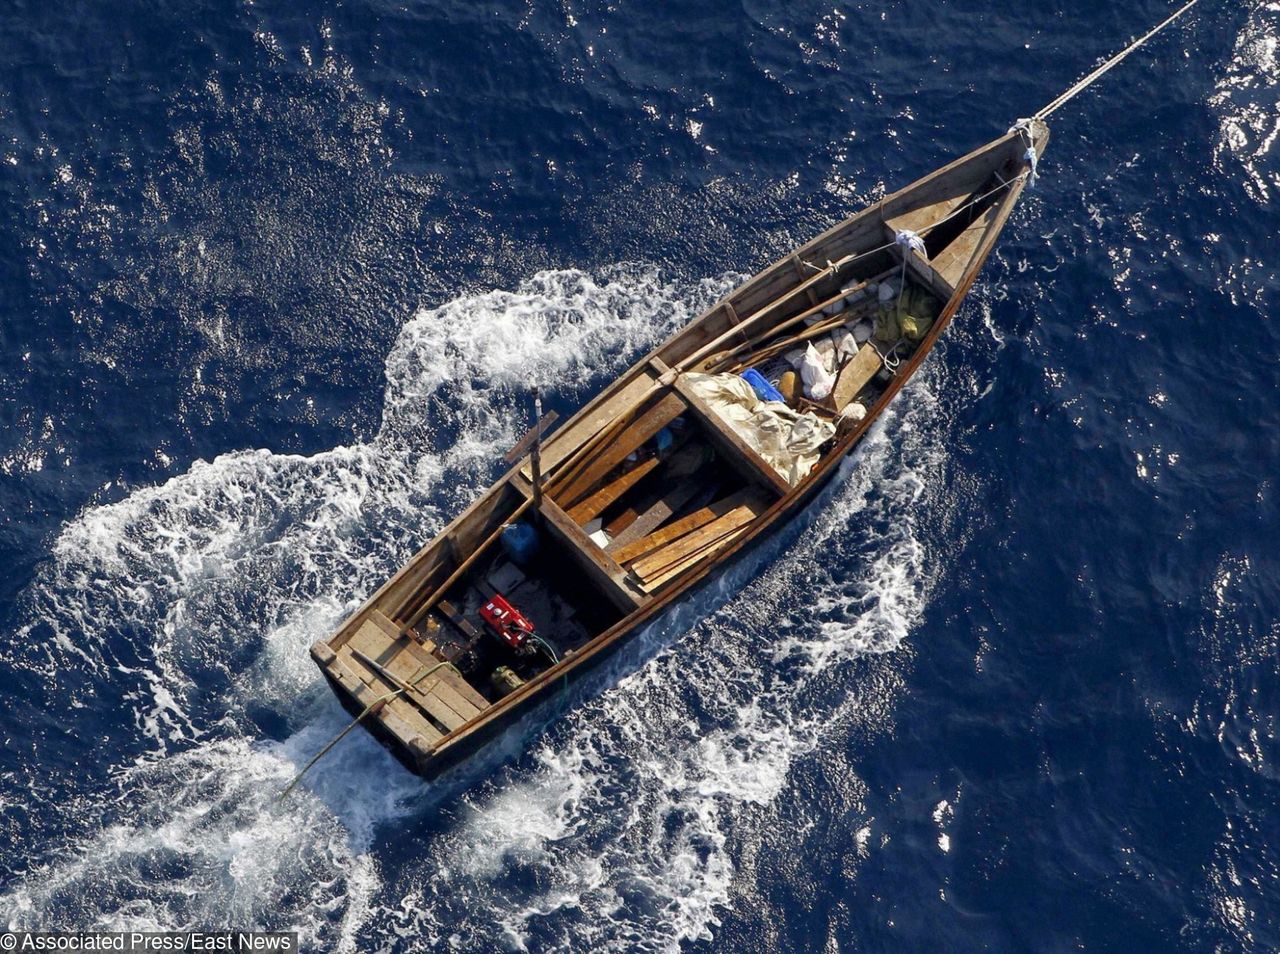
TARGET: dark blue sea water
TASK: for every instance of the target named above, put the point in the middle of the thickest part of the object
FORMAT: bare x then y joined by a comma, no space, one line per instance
275,279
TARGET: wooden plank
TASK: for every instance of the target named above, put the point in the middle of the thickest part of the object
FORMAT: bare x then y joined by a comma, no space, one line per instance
617,400
375,687
699,549
931,213
464,689
731,443
449,676
408,661
921,270
708,552
656,515
464,625
951,262
428,702
523,445
630,514
673,552
855,375
371,640
608,495
693,521
655,419
383,622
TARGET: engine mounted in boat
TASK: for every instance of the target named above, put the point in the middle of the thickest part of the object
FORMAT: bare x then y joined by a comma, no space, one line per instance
508,624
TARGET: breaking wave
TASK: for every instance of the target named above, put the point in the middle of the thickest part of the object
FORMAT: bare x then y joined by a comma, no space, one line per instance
194,602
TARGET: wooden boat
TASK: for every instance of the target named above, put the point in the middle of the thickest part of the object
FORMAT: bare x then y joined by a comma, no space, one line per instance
660,481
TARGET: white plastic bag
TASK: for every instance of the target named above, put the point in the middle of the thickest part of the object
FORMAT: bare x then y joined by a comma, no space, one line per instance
818,381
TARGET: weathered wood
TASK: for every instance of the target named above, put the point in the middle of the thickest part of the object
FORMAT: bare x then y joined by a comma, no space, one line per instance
381,620
693,521
428,703
772,293
802,274
460,622
538,430
587,424
655,515
408,712
922,271
422,608
679,549
463,688
666,410
608,577
855,375
709,552
606,496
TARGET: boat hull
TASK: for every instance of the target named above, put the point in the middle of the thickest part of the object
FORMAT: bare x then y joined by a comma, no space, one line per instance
938,232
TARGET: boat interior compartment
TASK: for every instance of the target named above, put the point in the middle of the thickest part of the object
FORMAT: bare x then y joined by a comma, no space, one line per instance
669,486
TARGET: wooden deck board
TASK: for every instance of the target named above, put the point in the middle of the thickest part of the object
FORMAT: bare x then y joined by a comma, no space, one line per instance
855,375
367,688
432,704
693,521
661,559
666,410
657,514
606,496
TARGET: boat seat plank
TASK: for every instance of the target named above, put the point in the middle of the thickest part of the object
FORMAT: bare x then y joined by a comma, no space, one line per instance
601,568
404,660
730,442
917,220
952,261
464,689
666,410
454,689
385,623
921,270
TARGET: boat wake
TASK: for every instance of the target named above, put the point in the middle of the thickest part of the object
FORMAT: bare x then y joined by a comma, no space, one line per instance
181,615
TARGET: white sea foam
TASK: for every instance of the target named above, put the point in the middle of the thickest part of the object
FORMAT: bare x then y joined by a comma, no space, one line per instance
619,834
265,550
619,837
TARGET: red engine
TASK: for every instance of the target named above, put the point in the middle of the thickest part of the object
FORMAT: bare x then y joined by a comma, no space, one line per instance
508,624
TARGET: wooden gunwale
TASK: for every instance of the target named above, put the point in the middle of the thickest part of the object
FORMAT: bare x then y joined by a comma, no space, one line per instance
792,500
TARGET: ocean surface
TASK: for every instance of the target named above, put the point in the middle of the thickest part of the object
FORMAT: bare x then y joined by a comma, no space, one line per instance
276,277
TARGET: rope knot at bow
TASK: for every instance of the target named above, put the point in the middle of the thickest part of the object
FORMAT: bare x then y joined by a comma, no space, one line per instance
909,239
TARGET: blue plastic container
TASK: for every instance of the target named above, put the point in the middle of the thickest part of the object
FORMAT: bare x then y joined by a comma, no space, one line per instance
764,390
520,542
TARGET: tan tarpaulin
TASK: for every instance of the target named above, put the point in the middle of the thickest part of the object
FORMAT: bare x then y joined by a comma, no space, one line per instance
786,439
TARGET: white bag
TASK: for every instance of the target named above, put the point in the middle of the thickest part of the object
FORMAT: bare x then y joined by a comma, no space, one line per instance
818,381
